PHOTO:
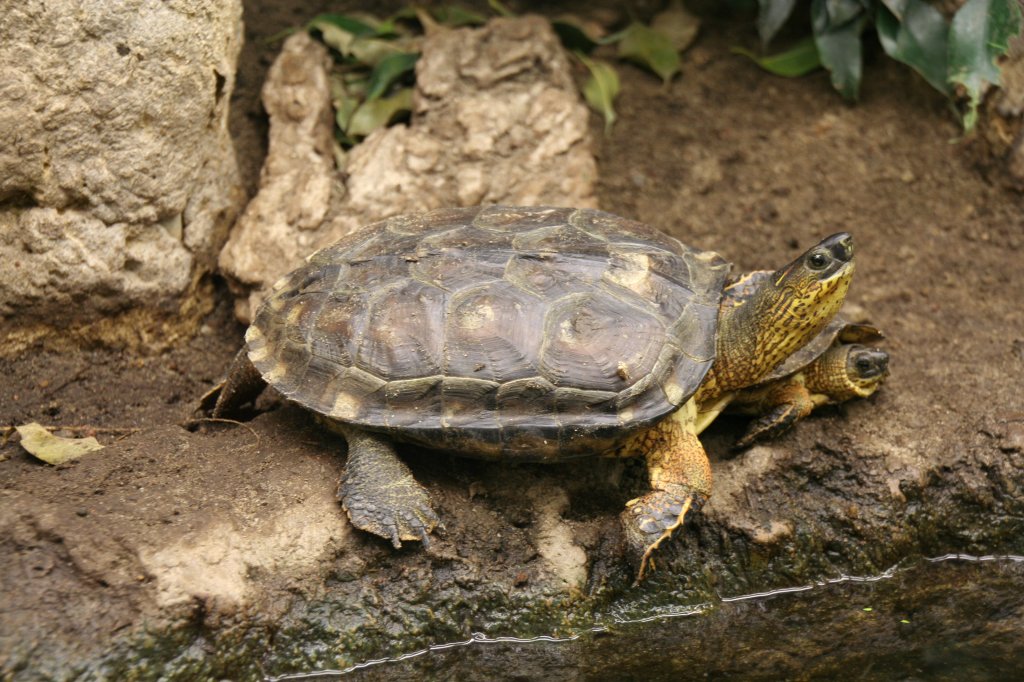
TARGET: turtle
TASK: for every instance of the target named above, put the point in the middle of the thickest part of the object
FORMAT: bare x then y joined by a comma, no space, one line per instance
524,334
835,366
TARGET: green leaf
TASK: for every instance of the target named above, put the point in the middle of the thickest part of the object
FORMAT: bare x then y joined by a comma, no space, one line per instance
372,51
837,25
377,113
350,36
345,96
388,70
601,89
333,36
979,34
897,7
771,15
677,24
347,24
500,8
917,36
52,449
650,48
457,16
573,37
801,59
841,12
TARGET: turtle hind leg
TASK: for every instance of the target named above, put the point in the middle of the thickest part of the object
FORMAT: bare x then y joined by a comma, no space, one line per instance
243,385
680,477
379,493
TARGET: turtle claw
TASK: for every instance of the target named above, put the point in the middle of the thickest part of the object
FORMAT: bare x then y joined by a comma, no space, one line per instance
401,512
651,519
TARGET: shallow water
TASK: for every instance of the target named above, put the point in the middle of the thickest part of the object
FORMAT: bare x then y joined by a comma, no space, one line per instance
950,617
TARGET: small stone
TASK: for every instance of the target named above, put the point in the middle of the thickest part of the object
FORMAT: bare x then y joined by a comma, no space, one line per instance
1013,441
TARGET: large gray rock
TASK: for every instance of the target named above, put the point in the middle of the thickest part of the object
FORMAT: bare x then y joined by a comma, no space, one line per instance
497,120
117,174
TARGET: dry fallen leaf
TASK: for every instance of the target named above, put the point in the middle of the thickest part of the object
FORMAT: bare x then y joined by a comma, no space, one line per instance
52,449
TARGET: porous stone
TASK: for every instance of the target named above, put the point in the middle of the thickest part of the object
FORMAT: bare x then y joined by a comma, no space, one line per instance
999,143
283,222
117,174
497,119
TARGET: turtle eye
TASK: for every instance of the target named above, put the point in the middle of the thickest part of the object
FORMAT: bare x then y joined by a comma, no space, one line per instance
863,365
817,261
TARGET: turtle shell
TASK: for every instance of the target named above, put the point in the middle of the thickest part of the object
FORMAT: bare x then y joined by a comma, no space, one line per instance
533,333
838,329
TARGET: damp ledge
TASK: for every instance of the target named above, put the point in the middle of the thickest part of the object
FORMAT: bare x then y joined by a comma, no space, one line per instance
819,595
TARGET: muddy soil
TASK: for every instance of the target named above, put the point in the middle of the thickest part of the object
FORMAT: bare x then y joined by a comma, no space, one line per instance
727,158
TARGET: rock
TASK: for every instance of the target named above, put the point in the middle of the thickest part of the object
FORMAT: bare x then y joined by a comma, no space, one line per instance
117,173
999,144
283,222
497,119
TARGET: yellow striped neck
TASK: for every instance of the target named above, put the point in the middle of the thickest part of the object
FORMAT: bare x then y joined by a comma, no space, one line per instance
759,334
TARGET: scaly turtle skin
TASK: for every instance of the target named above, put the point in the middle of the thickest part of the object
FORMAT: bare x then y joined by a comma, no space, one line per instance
535,334
835,366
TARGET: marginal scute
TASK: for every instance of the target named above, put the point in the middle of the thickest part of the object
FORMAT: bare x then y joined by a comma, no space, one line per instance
346,406
578,401
412,402
468,402
676,393
534,333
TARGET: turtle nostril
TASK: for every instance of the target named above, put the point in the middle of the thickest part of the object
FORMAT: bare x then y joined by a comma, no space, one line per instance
840,245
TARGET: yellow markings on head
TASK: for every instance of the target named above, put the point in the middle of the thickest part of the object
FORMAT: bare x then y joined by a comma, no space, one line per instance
782,275
828,375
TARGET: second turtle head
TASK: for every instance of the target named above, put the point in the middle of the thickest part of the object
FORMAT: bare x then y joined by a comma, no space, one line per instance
848,370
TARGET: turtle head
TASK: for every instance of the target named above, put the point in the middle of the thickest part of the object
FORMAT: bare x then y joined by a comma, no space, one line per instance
866,368
810,290
788,308
800,299
848,370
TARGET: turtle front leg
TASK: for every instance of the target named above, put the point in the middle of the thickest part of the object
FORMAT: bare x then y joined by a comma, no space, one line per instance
680,477
785,405
379,493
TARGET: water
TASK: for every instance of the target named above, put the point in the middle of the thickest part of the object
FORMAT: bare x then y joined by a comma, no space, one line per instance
952,617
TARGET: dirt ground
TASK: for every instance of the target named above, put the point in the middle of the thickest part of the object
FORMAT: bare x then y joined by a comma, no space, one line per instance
727,158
